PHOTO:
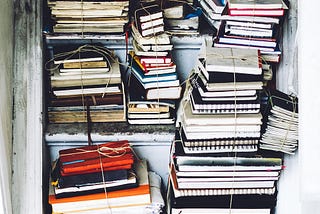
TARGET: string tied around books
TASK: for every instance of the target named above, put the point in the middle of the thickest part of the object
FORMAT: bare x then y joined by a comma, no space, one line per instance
284,140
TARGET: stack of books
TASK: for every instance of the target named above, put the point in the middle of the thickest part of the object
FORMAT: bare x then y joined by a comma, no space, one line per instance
221,184
102,178
222,110
215,163
86,85
87,16
212,11
153,84
252,25
281,119
181,18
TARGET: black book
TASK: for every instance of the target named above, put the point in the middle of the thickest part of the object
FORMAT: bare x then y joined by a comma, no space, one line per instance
92,178
219,77
198,102
247,201
282,100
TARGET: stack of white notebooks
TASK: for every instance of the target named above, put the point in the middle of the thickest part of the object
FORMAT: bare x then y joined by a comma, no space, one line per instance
215,165
281,131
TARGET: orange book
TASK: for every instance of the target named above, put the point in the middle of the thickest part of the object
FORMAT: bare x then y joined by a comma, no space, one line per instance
97,164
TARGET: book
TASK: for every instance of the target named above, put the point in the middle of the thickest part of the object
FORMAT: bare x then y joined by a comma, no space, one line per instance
235,86
219,119
116,113
148,107
90,178
216,5
87,91
231,60
140,52
215,142
104,186
150,24
111,77
153,69
248,31
139,195
222,106
245,41
196,83
157,78
86,100
219,203
256,12
148,12
260,4
156,60
94,151
161,39
138,92
152,31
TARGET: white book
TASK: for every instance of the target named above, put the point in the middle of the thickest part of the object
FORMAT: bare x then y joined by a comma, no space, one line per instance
244,61
158,39
226,185
92,59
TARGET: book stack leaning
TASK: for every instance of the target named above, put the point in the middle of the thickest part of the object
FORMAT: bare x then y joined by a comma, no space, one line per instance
215,165
104,178
153,84
85,85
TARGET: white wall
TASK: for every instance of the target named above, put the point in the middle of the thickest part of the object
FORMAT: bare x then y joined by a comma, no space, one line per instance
309,76
6,47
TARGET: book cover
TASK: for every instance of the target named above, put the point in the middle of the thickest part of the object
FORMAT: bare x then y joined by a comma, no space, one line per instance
93,151
232,60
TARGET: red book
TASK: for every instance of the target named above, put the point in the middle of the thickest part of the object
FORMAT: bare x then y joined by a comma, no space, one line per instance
97,164
93,170
95,151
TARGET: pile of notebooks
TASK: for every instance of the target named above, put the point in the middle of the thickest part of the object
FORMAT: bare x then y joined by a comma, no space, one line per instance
281,123
221,112
85,85
253,25
87,16
181,18
212,11
215,163
103,178
153,84
221,184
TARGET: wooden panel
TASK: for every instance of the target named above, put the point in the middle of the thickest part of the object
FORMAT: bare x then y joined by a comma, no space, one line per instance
28,99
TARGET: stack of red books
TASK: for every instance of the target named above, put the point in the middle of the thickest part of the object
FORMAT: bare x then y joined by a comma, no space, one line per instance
93,174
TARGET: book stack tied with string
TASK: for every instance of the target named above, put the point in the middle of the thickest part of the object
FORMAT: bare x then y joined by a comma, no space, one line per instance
153,84
103,178
254,25
280,132
85,85
247,25
89,16
181,18
215,165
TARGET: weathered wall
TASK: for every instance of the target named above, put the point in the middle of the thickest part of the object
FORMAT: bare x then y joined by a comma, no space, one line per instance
6,47
27,165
